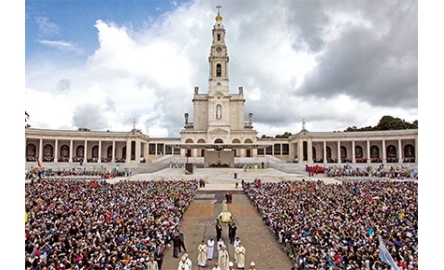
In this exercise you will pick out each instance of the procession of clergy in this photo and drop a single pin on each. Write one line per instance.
(206, 250)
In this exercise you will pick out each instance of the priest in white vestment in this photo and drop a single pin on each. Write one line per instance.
(210, 248)
(202, 254)
(240, 253)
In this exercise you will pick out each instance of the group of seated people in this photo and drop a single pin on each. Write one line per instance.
(84, 224)
(75, 172)
(337, 226)
(398, 172)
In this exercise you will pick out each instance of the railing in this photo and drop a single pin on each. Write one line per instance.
(48, 159)
(32, 158)
(63, 159)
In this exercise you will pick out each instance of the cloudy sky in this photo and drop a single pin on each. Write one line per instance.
(336, 64)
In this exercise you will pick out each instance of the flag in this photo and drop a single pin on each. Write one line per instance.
(385, 256)
(26, 216)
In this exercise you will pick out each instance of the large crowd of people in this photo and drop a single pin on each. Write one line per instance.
(84, 224)
(337, 226)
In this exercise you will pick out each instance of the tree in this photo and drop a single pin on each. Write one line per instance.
(387, 122)
(285, 135)
(84, 129)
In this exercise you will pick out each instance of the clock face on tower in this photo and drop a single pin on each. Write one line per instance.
(218, 49)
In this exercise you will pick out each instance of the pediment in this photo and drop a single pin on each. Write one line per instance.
(218, 131)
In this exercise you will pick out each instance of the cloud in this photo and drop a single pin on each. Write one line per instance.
(63, 85)
(335, 64)
(47, 28)
(59, 44)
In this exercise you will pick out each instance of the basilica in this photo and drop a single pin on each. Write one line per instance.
(219, 134)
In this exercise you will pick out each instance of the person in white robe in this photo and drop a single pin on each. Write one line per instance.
(236, 241)
(183, 264)
(224, 258)
(216, 266)
(202, 254)
(188, 261)
(220, 244)
(252, 266)
(240, 252)
(210, 248)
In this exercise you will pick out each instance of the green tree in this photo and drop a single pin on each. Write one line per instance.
(387, 122)
(84, 129)
(285, 135)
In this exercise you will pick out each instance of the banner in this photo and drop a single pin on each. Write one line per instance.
(385, 256)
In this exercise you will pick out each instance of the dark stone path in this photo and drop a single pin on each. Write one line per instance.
(199, 224)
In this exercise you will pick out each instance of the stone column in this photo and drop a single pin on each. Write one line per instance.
(113, 157)
(71, 150)
(399, 151)
(353, 152)
(41, 150)
(99, 156)
(324, 156)
(368, 152)
(339, 152)
(128, 151)
(145, 150)
(291, 151)
(384, 157)
(309, 151)
(85, 152)
(56, 150)
(300, 151)
(416, 150)
(137, 152)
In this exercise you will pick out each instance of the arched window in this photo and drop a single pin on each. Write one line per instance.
(47, 150)
(409, 151)
(64, 151)
(343, 152)
(109, 152)
(218, 111)
(358, 151)
(95, 151)
(80, 151)
(218, 70)
(31, 150)
(218, 37)
(374, 151)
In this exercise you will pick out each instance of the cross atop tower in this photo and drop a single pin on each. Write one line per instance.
(218, 8)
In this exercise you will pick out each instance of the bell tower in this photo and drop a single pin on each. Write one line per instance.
(218, 59)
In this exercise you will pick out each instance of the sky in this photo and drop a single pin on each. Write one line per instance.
(336, 64)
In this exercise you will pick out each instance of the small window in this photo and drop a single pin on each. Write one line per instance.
(218, 111)
(218, 37)
(218, 70)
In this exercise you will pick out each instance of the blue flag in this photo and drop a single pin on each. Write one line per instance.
(385, 256)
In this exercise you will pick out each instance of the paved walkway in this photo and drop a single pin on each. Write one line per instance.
(199, 220)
